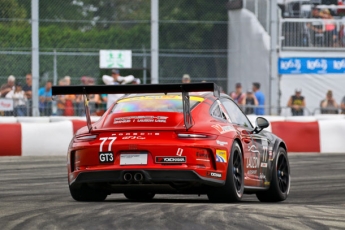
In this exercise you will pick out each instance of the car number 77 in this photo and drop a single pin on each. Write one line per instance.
(104, 139)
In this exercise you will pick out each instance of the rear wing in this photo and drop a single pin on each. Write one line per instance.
(131, 89)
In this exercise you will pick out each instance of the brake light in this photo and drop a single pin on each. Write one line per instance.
(86, 137)
(196, 136)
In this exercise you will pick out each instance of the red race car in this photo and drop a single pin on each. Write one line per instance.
(174, 139)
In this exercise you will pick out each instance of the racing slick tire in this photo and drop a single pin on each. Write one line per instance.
(139, 196)
(280, 183)
(233, 189)
(85, 193)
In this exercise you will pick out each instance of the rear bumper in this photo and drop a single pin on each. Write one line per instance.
(149, 177)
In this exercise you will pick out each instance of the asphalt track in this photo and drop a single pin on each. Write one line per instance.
(34, 195)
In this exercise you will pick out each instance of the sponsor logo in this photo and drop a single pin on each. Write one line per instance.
(262, 176)
(252, 172)
(133, 137)
(223, 129)
(291, 64)
(253, 162)
(221, 143)
(214, 174)
(221, 156)
(338, 65)
(171, 159)
(317, 64)
(179, 152)
(142, 119)
(106, 157)
(270, 153)
(253, 149)
(202, 155)
(267, 183)
(264, 165)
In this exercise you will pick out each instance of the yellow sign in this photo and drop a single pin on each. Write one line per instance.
(221, 156)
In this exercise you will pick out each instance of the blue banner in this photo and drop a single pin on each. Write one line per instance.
(311, 65)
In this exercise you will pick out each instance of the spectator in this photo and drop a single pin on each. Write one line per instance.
(61, 100)
(297, 103)
(238, 96)
(342, 105)
(45, 99)
(115, 79)
(67, 80)
(186, 78)
(250, 102)
(136, 81)
(19, 100)
(27, 88)
(260, 110)
(6, 88)
(330, 32)
(329, 105)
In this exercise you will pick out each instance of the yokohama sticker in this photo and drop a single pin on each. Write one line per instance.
(171, 160)
(214, 174)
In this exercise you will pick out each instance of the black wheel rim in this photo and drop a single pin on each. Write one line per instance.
(283, 173)
(237, 171)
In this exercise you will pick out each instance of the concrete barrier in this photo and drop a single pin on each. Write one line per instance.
(36, 136)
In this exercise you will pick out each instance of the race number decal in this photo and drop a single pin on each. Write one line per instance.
(104, 139)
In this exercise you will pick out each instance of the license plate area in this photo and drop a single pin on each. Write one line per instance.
(133, 158)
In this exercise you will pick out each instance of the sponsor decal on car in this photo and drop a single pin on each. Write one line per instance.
(267, 183)
(252, 172)
(270, 153)
(221, 143)
(179, 152)
(133, 137)
(262, 176)
(106, 157)
(214, 174)
(171, 160)
(253, 162)
(223, 129)
(264, 165)
(221, 155)
(149, 119)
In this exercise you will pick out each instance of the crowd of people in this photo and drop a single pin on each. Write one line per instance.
(66, 105)
(251, 102)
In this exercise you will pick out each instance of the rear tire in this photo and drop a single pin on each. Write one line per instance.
(85, 193)
(280, 183)
(139, 196)
(232, 191)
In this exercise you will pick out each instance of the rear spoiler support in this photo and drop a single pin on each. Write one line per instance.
(87, 110)
(128, 89)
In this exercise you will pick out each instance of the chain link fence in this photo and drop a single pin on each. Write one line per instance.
(71, 33)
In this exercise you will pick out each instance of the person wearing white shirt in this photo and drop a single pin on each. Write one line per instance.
(116, 79)
(19, 100)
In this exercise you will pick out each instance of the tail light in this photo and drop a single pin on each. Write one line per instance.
(194, 136)
(87, 137)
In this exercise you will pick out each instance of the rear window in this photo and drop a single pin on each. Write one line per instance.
(162, 103)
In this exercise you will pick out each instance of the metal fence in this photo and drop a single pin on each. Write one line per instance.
(312, 34)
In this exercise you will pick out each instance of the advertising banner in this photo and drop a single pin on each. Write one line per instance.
(6, 104)
(115, 59)
(306, 65)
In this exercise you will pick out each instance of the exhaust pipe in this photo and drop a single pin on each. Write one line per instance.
(138, 177)
(127, 177)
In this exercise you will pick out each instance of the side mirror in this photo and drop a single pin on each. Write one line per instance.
(261, 123)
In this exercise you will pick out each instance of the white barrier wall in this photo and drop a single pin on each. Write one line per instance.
(51, 136)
